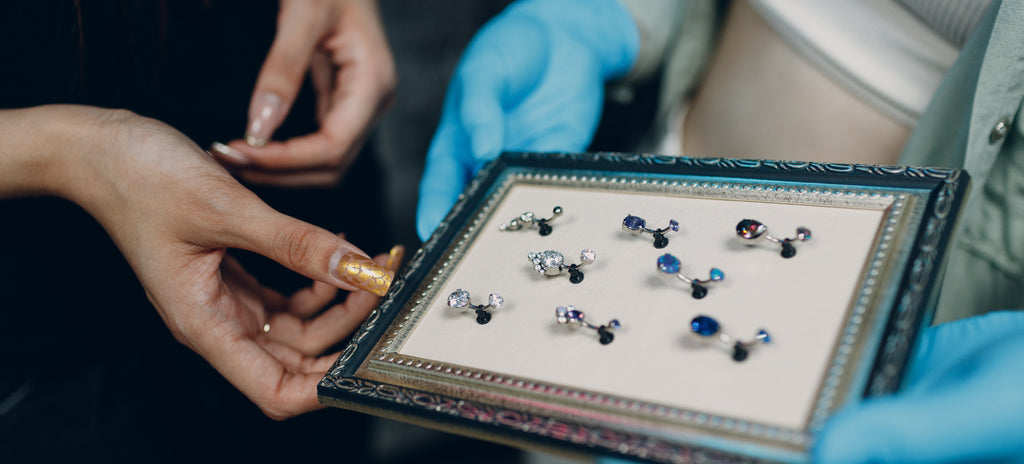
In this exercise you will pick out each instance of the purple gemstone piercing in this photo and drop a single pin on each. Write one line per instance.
(637, 225)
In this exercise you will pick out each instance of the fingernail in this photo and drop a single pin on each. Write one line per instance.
(229, 153)
(395, 257)
(361, 271)
(264, 110)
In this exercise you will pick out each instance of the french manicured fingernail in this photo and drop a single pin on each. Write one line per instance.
(230, 153)
(262, 114)
(395, 257)
(361, 271)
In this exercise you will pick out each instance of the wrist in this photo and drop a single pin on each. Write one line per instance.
(606, 27)
(53, 150)
(35, 151)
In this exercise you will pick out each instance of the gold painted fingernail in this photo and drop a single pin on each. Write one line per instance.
(363, 272)
(395, 257)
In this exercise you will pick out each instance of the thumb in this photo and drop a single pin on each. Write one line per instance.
(311, 251)
(283, 71)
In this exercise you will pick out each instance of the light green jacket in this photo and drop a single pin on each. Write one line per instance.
(975, 121)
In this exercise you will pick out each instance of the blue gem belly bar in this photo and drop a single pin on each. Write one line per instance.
(707, 327)
(669, 266)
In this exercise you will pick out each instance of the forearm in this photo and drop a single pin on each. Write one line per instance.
(42, 146)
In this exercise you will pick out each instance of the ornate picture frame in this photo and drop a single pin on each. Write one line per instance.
(841, 316)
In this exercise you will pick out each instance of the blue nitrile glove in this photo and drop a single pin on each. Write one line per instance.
(532, 79)
(963, 401)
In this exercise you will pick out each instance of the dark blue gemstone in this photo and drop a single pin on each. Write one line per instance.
(704, 326)
(615, 324)
(674, 225)
(668, 264)
(763, 335)
(634, 222)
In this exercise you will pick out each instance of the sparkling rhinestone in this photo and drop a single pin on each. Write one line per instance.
(588, 255)
(615, 324)
(704, 326)
(495, 301)
(551, 259)
(562, 313)
(763, 335)
(575, 314)
(458, 299)
(750, 229)
(717, 274)
(674, 225)
(527, 218)
(803, 233)
(634, 222)
(668, 264)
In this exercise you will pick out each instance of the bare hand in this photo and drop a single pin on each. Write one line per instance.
(174, 213)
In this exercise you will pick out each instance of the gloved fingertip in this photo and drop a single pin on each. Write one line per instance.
(427, 221)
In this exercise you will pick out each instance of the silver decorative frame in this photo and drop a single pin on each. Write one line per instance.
(897, 293)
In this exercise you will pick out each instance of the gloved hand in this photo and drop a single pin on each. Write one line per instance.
(963, 401)
(531, 79)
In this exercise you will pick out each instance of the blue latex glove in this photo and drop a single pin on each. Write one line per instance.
(532, 79)
(963, 401)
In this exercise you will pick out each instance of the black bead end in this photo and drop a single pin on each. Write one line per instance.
(482, 317)
(739, 352)
(788, 250)
(606, 336)
(575, 275)
(660, 240)
(699, 291)
(545, 229)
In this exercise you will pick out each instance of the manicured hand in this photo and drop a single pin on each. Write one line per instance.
(341, 44)
(532, 79)
(174, 213)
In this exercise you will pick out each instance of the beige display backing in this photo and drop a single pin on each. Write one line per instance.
(803, 301)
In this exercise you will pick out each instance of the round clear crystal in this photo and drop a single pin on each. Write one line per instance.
(495, 301)
(588, 255)
(552, 259)
(458, 299)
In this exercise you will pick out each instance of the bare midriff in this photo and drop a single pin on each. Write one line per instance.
(760, 99)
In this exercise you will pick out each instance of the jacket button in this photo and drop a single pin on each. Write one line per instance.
(999, 131)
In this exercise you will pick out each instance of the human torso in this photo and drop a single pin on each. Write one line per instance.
(764, 97)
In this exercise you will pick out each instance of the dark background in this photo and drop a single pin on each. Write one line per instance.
(88, 371)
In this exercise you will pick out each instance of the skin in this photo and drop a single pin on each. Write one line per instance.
(341, 45)
(174, 212)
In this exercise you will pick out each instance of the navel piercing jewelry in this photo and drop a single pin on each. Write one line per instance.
(637, 225)
(552, 263)
(573, 317)
(669, 266)
(705, 326)
(528, 219)
(750, 232)
(459, 299)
